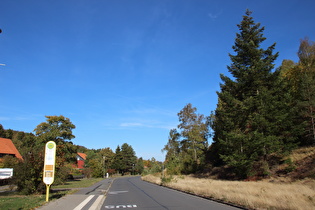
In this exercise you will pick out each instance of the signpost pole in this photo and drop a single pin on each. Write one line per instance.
(47, 192)
(49, 166)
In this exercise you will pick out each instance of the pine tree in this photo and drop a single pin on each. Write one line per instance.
(129, 158)
(117, 163)
(252, 117)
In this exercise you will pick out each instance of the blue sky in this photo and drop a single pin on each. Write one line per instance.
(121, 70)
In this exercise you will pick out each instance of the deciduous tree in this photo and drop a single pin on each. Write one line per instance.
(172, 149)
(58, 129)
(301, 77)
(194, 143)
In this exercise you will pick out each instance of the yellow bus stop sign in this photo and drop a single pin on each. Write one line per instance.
(49, 165)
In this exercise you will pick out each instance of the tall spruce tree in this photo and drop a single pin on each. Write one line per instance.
(252, 116)
(129, 158)
(117, 163)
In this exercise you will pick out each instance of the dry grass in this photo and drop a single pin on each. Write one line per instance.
(254, 195)
(156, 179)
(300, 154)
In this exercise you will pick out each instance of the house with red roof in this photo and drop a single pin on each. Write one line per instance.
(7, 148)
(81, 157)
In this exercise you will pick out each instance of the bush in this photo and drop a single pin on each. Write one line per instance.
(28, 174)
(166, 179)
(290, 165)
(62, 174)
(9, 162)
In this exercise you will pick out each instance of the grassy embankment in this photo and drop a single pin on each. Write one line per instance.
(276, 192)
(13, 200)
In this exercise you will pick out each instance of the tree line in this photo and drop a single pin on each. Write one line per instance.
(262, 113)
(28, 172)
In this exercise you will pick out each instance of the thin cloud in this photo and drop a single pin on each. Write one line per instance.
(147, 124)
(144, 111)
(4, 118)
(214, 16)
(132, 125)
(14, 118)
(152, 111)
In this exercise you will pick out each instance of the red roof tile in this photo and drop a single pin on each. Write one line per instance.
(7, 147)
(82, 155)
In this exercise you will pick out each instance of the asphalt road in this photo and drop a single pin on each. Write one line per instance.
(88, 198)
(133, 193)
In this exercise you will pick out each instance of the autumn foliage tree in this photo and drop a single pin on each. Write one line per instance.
(187, 146)
(58, 129)
(28, 173)
(172, 149)
(301, 78)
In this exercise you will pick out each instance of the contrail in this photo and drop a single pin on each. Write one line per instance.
(1, 64)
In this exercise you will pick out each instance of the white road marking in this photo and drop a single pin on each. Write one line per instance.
(120, 206)
(83, 203)
(96, 203)
(116, 192)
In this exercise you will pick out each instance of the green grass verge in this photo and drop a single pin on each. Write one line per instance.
(13, 200)
(21, 202)
(77, 183)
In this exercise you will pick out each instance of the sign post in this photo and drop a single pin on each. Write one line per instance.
(49, 165)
